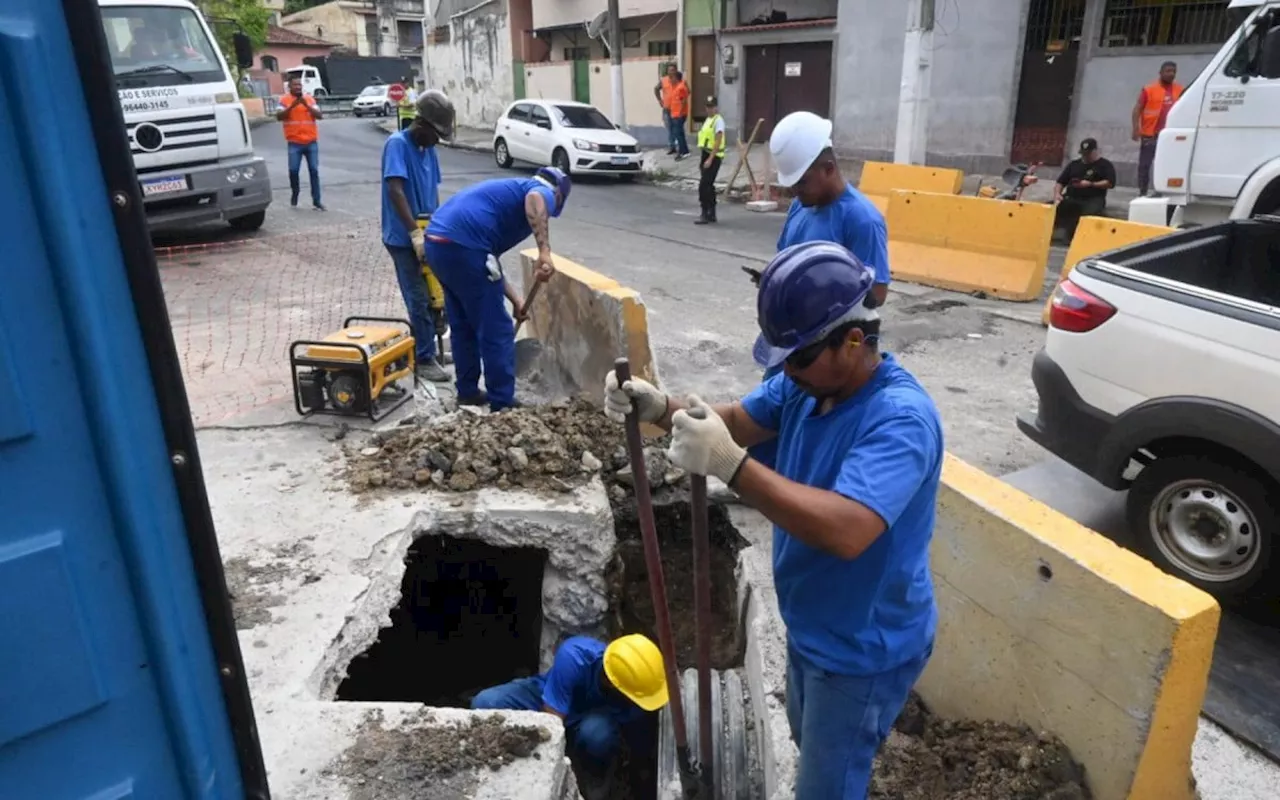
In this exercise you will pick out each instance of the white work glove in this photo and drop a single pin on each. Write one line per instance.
(701, 443)
(650, 403)
(418, 237)
(495, 269)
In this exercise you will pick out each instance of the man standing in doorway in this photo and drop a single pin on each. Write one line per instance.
(1149, 116)
(710, 155)
(662, 92)
(1082, 187)
(299, 113)
(411, 186)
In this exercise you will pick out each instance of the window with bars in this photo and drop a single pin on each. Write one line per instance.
(1054, 25)
(657, 49)
(1161, 23)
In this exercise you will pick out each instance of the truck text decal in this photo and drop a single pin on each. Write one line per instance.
(1222, 101)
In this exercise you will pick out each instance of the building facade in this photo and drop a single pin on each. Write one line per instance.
(284, 49)
(365, 27)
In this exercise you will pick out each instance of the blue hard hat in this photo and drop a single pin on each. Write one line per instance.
(556, 179)
(806, 292)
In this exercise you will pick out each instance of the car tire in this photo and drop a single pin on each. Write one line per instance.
(249, 222)
(321, 94)
(386, 110)
(355, 113)
(1229, 555)
(560, 160)
(502, 154)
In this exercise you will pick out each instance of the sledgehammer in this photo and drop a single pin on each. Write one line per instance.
(689, 782)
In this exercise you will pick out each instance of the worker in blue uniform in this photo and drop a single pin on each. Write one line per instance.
(601, 692)
(851, 496)
(826, 208)
(411, 186)
(463, 242)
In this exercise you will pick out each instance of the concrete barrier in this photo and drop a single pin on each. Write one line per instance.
(1096, 235)
(970, 244)
(1046, 623)
(879, 180)
(585, 321)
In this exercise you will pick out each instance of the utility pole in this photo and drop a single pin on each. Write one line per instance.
(615, 65)
(913, 94)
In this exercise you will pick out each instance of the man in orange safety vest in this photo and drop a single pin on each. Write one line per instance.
(1149, 116)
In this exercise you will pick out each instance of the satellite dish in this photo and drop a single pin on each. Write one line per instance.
(596, 27)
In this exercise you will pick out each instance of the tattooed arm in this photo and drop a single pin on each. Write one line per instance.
(535, 210)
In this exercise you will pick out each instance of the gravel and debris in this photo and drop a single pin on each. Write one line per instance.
(425, 760)
(929, 758)
(555, 447)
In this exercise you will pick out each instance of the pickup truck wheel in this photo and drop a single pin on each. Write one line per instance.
(249, 222)
(1205, 521)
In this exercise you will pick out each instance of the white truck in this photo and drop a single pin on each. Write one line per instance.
(188, 130)
(1218, 157)
(1160, 374)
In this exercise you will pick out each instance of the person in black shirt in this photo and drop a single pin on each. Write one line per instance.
(1082, 187)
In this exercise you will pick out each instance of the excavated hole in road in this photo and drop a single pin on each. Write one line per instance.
(469, 617)
(632, 612)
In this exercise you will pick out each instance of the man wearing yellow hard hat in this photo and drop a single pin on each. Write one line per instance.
(599, 690)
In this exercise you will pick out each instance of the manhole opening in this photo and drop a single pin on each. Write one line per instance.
(636, 774)
(469, 617)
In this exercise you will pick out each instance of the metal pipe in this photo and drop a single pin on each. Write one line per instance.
(702, 622)
(657, 584)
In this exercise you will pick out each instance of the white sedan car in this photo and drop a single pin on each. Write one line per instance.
(373, 100)
(575, 137)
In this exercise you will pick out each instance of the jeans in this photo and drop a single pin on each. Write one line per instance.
(671, 134)
(675, 130)
(1146, 157)
(311, 152)
(1071, 209)
(413, 288)
(480, 328)
(840, 721)
(595, 735)
(707, 183)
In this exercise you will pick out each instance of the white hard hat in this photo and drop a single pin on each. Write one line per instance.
(796, 142)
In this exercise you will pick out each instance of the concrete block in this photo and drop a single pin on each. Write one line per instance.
(586, 321)
(1046, 623)
(762, 205)
(880, 178)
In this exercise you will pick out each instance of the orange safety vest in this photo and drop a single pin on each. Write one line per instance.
(1156, 100)
(299, 126)
(678, 100)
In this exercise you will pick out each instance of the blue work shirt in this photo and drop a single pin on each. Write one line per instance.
(574, 684)
(852, 221)
(882, 448)
(420, 169)
(489, 216)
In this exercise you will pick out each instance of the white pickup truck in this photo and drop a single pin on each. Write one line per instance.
(1161, 374)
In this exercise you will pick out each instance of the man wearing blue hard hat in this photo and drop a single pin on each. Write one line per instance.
(463, 242)
(851, 496)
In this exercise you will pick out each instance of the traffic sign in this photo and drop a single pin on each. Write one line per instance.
(395, 93)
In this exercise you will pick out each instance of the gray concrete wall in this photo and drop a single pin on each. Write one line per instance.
(794, 9)
(974, 81)
(1105, 94)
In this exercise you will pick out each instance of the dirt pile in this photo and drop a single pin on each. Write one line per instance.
(554, 447)
(422, 761)
(927, 758)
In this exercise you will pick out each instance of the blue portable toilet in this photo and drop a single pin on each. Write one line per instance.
(120, 671)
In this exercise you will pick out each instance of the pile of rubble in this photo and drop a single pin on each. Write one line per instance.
(555, 447)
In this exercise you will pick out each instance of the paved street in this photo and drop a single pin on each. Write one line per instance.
(305, 270)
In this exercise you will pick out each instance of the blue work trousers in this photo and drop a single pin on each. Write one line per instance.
(595, 735)
(480, 329)
(677, 134)
(840, 721)
(311, 152)
(413, 288)
(666, 123)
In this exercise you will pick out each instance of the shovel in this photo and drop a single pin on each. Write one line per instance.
(527, 350)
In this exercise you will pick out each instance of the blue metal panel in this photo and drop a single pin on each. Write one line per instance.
(108, 681)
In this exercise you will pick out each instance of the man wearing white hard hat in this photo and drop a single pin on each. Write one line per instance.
(826, 207)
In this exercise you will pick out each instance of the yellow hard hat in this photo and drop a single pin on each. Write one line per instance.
(633, 664)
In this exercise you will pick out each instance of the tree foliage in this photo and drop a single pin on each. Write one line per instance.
(228, 17)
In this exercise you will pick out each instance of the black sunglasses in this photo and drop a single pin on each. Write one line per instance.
(805, 356)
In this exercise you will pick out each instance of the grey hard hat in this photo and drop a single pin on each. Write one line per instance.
(436, 109)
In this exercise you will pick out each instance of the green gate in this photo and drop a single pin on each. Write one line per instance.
(582, 81)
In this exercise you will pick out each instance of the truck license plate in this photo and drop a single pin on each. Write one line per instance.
(620, 159)
(172, 183)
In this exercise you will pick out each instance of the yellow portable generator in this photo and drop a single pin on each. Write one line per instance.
(435, 294)
(355, 371)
